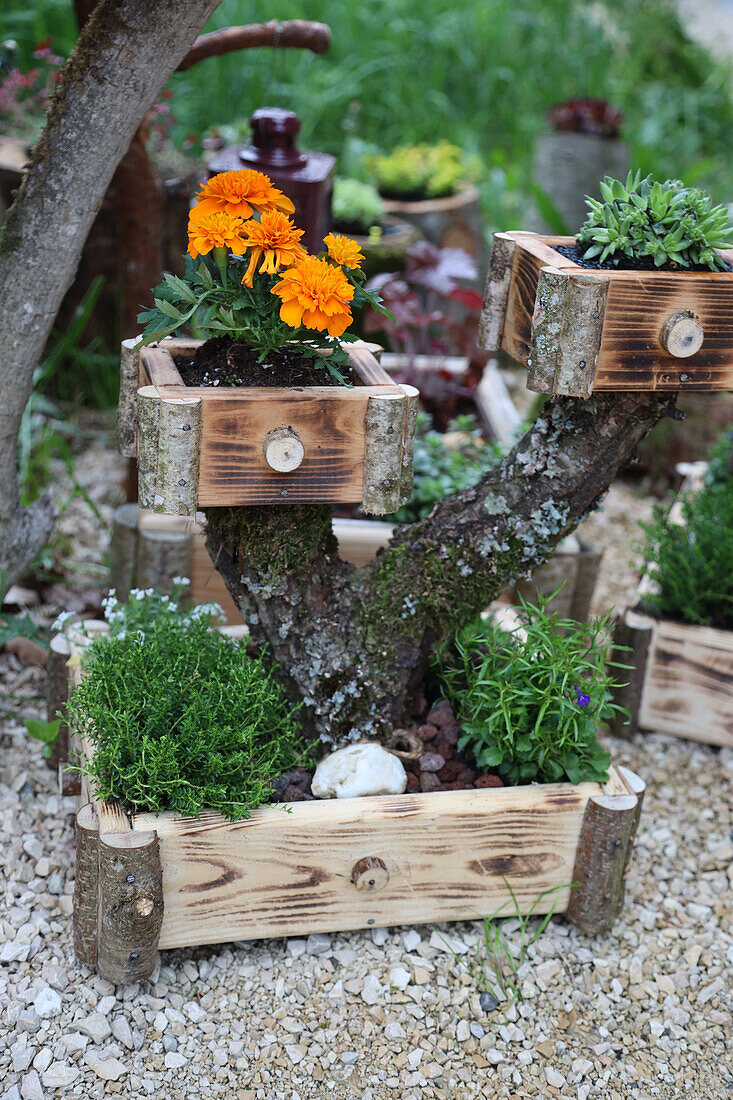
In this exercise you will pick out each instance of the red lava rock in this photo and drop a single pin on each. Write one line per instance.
(430, 782)
(293, 794)
(489, 781)
(441, 714)
(445, 750)
(456, 785)
(426, 732)
(431, 762)
(413, 783)
(450, 734)
(450, 771)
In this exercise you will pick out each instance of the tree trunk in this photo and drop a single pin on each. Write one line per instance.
(353, 644)
(126, 51)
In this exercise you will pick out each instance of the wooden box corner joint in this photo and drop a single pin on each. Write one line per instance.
(201, 447)
(579, 330)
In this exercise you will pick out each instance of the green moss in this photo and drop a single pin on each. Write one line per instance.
(278, 541)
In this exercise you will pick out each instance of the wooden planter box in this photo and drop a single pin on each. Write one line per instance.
(200, 447)
(682, 676)
(581, 329)
(145, 882)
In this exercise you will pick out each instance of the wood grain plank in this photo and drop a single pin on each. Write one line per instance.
(638, 304)
(446, 854)
(688, 685)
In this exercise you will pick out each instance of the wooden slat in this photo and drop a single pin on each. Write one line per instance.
(446, 854)
(159, 368)
(688, 685)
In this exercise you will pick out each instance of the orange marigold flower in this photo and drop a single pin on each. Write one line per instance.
(215, 230)
(274, 239)
(240, 193)
(342, 250)
(316, 294)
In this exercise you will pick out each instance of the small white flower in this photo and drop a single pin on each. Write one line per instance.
(61, 619)
(181, 581)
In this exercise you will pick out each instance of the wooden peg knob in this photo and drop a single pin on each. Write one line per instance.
(370, 873)
(144, 907)
(682, 334)
(283, 450)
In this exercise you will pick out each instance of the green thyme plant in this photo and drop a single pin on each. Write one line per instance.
(357, 206)
(691, 563)
(667, 223)
(426, 171)
(179, 716)
(446, 464)
(530, 704)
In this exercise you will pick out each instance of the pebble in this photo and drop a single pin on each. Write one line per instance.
(174, 1061)
(399, 977)
(371, 990)
(59, 1075)
(47, 1002)
(122, 1032)
(318, 944)
(30, 1087)
(96, 1026)
(554, 1078)
(109, 1069)
(431, 762)
(488, 1002)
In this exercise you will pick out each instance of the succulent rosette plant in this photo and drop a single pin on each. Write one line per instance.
(248, 277)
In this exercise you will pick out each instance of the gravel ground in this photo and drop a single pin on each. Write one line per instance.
(640, 1013)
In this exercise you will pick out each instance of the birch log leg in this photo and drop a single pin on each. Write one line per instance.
(589, 563)
(86, 886)
(127, 405)
(57, 692)
(123, 550)
(383, 438)
(169, 442)
(130, 906)
(609, 825)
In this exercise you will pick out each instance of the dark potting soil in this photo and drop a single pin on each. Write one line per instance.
(645, 263)
(440, 767)
(414, 196)
(224, 362)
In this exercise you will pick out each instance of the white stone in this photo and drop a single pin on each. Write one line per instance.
(47, 1002)
(394, 1031)
(60, 1075)
(414, 1058)
(22, 1055)
(30, 1086)
(195, 1012)
(581, 1066)
(122, 1032)
(463, 1032)
(554, 1078)
(371, 990)
(106, 1005)
(410, 940)
(43, 1060)
(173, 1060)
(358, 771)
(399, 977)
(109, 1069)
(318, 944)
(95, 1026)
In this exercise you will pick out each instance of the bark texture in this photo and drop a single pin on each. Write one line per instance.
(353, 644)
(126, 51)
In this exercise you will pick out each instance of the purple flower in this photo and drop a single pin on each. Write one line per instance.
(583, 700)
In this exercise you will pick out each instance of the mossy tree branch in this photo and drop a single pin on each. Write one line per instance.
(353, 643)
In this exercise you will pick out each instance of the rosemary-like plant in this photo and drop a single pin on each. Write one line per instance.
(179, 716)
(668, 223)
(691, 562)
(530, 703)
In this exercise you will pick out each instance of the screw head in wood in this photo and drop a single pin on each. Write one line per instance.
(369, 874)
(682, 334)
(283, 450)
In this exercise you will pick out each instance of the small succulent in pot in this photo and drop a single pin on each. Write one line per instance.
(643, 222)
(357, 207)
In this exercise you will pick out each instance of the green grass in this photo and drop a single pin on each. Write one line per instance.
(481, 74)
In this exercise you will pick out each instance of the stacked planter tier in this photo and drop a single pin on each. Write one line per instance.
(579, 329)
(204, 446)
(682, 677)
(145, 882)
(453, 221)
